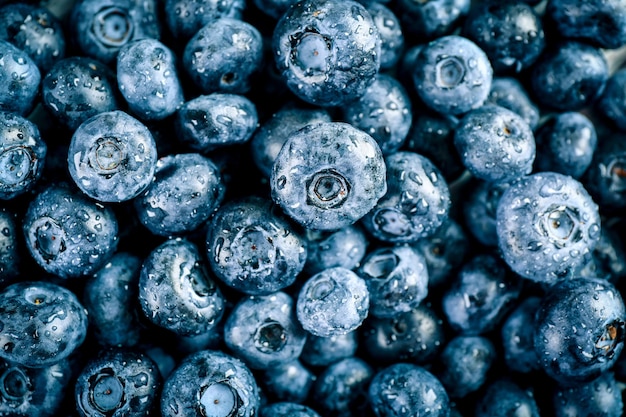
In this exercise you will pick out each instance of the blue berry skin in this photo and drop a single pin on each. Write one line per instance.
(384, 112)
(323, 351)
(517, 334)
(495, 144)
(185, 191)
(480, 297)
(273, 8)
(328, 175)
(289, 381)
(416, 336)
(480, 210)
(565, 144)
(408, 389)
(605, 179)
(186, 17)
(332, 302)
(254, 249)
(264, 332)
(36, 31)
(465, 362)
(341, 387)
(431, 19)
(100, 28)
(608, 258)
(504, 398)
(612, 103)
(390, 31)
(509, 93)
(396, 278)
(112, 157)
(42, 323)
(417, 201)
(599, 22)
(328, 51)
(452, 75)
(117, 382)
(10, 247)
(33, 391)
(148, 79)
(109, 297)
(223, 55)
(211, 121)
(68, 234)
(569, 76)
(510, 33)
(176, 291)
(600, 397)
(77, 88)
(210, 383)
(19, 80)
(579, 329)
(270, 137)
(287, 409)
(22, 155)
(345, 247)
(547, 225)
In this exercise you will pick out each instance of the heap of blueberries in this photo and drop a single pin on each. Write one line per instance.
(231, 208)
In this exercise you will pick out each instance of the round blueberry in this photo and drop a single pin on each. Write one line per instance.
(341, 388)
(345, 247)
(605, 179)
(517, 334)
(426, 20)
(480, 210)
(503, 398)
(612, 102)
(600, 397)
(390, 31)
(287, 409)
(289, 381)
(324, 351)
(185, 17)
(509, 93)
(10, 249)
(19, 80)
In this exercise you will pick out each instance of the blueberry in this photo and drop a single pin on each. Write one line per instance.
(579, 329)
(19, 80)
(517, 334)
(273, 8)
(186, 17)
(289, 381)
(342, 387)
(67, 234)
(112, 157)
(10, 250)
(481, 295)
(148, 79)
(408, 389)
(254, 249)
(509, 93)
(608, 258)
(210, 383)
(176, 291)
(480, 210)
(77, 88)
(326, 350)
(503, 398)
(600, 397)
(605, 179)
(565, 144)
(612, 103)
(215, 120)
(328, 51)
(431, 19)
(287, 409)
(345, 247)
(547, 224)
(332, 302)
(223, 55)
(390, 31)
(22, 155)
(328, 175)
(417, 201)
(117, 382)
(396, 278)
(452, 75)
(185, 191)
(495, 144)
(383, 111)
(36, 31)
(42, 323)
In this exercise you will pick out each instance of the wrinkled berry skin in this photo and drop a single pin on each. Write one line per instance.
(148, 79)
(417, 201)
(579, 329)
(42, 323)
(341, 386)
(509, 93)
(68, 234)
(210, 383)
(600, 397)
(223, 55)
(215, 120)
(112, 157)
(19, 80)
(117, 382)
(504, 398)
(547, 224)
(328, 175)
(22, 155)
(185, 191)
(77, 88)
(408, 389)
(176, 291)
(252, 248)
(185, 17)
(452, 75)
(36, 31)
(328, 51)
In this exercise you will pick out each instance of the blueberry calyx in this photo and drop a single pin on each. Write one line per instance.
(14, 384)
(616, 171)
(113, 26)
(327, 189)
(106, 392)
(18, 163)
(612, 336)
(311, 52)
(450, 71)
(49, 238)
(219, 400)
(561, 225)
(270, 337)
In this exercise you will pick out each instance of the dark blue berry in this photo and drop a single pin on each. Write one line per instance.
(324, 351)
(10, 251)
(431, 19)
(19, 80)
(287, 409)
(517, 334)
(605, 179)
(342, 387)
(390, 31)
(289, 381)
(504, 398)
(480, 210)
(186, 17)
(345, 247)
(509, 93)
(612, 102)
(600, 397)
